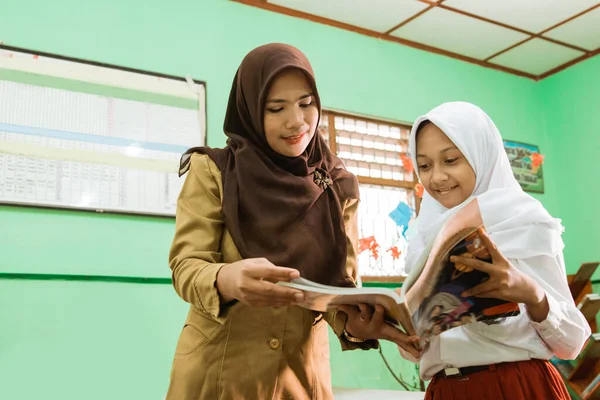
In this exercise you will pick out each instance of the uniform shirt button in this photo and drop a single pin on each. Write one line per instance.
(274, 344)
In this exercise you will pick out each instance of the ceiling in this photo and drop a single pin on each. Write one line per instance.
(530, 38)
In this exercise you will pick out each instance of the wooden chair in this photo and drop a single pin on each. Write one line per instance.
(582, 375)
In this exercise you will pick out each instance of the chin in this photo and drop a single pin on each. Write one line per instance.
(293, 151)
(290, 152)
(451, 203)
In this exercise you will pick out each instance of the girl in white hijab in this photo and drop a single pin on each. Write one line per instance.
(459, 154)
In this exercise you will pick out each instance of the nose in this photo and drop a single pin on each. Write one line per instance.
(295, 120)
(438, 176)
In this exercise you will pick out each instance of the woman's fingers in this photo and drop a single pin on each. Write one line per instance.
(377, 316)
(409, 344)
(351, 311)
(365, 312)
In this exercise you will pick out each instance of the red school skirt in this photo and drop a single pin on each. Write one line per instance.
(522, 380)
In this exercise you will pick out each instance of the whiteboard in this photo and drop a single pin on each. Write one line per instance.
(77, 135)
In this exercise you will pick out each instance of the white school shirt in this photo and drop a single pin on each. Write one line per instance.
(562, 334)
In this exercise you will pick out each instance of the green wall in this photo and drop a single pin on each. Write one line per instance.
(93, 340)
(208, 39)
(571, 110)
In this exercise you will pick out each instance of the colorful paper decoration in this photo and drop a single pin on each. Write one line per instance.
(407, 163)
(419, 190)
(402, 215)
(369, 243)
(365, 243)
(375, 252)
(395, 252)
(537, 159)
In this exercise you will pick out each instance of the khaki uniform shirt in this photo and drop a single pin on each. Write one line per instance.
(236, 351)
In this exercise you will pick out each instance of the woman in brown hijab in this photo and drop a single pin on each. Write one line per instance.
(273, 205)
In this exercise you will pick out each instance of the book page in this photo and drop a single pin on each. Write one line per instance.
(325, 298)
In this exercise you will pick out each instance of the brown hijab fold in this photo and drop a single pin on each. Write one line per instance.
(285, 209)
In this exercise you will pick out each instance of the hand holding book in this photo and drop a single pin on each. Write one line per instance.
(505, 281)
(364, 323)
(254, 281)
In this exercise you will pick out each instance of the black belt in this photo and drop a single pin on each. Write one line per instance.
(454, 372)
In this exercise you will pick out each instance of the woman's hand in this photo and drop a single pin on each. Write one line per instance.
(365, 324)
(254, 281)
(506, 282)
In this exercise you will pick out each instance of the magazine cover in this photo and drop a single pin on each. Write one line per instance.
(434, 301)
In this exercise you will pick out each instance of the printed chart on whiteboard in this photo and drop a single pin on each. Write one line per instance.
(80, 136)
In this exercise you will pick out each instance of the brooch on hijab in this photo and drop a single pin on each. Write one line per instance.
(322, 179)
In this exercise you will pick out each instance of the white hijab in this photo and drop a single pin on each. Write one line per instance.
(518, 224)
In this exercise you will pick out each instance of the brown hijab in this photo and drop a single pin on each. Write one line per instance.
(285, 209)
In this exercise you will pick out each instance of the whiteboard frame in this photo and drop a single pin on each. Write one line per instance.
(118, 68)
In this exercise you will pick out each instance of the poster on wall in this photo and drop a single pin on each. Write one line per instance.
(525, 161)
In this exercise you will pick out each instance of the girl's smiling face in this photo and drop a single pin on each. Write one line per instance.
(444, 171)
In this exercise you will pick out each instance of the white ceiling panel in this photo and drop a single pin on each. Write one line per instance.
(376, 15)
(536, 56)
(583, 31)
(446, 27)
(458, 33)
(531, 15)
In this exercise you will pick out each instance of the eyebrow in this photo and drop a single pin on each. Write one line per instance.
(443, 151)
(285, 101)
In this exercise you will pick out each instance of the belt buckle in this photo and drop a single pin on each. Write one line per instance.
(451, 372)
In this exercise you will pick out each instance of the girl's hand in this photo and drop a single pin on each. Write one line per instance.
(506, 282)
(365, 324)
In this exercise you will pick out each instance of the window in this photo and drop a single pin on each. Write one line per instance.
(374, 151)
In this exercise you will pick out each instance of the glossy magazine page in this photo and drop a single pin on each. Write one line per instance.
(434, 300)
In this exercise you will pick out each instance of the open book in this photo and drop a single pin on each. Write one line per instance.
(432, 302)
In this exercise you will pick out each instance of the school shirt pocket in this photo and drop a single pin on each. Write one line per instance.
(199, 329)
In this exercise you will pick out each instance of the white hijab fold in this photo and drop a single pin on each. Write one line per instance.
(518, 224)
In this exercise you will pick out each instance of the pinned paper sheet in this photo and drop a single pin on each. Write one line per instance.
(402, 215)
(200, 93)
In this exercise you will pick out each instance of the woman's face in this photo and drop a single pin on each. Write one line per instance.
(291, 114)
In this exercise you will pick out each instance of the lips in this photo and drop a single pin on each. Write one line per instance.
(446, 190)
(294, 138)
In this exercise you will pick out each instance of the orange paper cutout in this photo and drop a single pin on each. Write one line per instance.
(419, 189)
(407, 163)
(365, 243)
(395, 252)
(537, 159)
(369, 243)
(375, 252)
